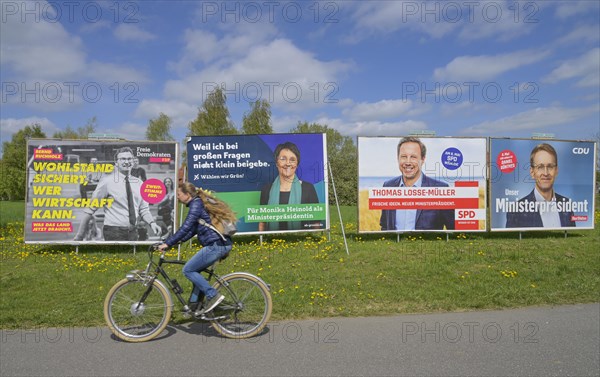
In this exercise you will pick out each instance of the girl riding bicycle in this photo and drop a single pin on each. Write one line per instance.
(202, 206)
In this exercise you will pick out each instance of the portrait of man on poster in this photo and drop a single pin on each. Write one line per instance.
(543, 169)
(411, 153)
(120, 218)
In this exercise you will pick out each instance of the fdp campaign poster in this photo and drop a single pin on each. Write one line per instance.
(275, 183)
(542, 184)
(409, 184)
(108, 192)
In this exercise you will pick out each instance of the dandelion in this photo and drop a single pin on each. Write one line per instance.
(509, 274)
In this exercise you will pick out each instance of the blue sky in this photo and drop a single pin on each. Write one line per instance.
(389, 68)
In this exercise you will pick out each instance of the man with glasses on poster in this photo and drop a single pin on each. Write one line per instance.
(543, 207)
(121, 215)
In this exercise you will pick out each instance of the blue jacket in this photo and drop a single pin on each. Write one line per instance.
(534, 219)
(191, 227)
(428, 219)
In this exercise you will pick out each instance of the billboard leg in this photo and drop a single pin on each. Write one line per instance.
(338, 208)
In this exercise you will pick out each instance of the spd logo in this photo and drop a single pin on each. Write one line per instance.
(467, 214)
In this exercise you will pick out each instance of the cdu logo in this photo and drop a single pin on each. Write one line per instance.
(579, 150)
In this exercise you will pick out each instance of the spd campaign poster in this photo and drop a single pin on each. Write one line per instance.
(421, 184)
(100, 192)
(275, 183)
(542, 184)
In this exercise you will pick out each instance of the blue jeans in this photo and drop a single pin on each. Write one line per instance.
(204, 258)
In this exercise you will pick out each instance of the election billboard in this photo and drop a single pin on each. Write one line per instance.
(105, 192)
(275, 183)
(541, 184)
(412, 184)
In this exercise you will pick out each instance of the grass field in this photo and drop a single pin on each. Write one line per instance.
(311, 276)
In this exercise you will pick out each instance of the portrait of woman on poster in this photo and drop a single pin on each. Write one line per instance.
(287, 188)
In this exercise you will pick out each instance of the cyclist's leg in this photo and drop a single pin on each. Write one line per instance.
(204, 258)
(195, 296)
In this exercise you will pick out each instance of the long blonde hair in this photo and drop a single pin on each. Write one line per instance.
(218, 210)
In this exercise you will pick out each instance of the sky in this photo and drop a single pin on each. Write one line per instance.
(365, 68)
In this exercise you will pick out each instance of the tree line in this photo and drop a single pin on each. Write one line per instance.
(213, 119)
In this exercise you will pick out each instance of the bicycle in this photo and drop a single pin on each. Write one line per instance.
(139, 307)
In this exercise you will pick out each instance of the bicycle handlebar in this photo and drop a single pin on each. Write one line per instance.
(154, 247)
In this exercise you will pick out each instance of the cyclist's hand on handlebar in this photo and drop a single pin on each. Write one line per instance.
(162, 247)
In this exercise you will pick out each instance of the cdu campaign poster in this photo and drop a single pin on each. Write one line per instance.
(99, 192)
(275, 183)
(542, 184)
(421, 184)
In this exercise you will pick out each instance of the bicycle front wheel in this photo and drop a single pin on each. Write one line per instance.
(133, 318)
(246, 308)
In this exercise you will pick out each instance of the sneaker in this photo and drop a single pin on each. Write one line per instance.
(213, 302)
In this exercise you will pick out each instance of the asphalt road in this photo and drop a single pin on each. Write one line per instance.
(539, 341)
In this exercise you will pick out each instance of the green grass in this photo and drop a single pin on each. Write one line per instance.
(11, 212)
(313, 277)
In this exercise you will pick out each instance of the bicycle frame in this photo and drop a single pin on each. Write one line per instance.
(172, 284)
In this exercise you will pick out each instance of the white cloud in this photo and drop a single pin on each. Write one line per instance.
(39, 50)
(470, 20)
(206, 47)
(573, 8)
(384, 109)
(272, 70)
(501, 20)
(284, 123)
(486, 67)
(42, 56)
(110, 73)
(181, 113)
(10, 126)
(539, 119)
(586, 68)
(376, 128)
(384, 17)
(131, 32)
(581, 34)
(372, 128)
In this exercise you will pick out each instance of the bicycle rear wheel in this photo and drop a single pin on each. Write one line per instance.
(246, 308)
(135, 321)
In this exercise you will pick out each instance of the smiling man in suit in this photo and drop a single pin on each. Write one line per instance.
(543, 168)
(411, 153)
